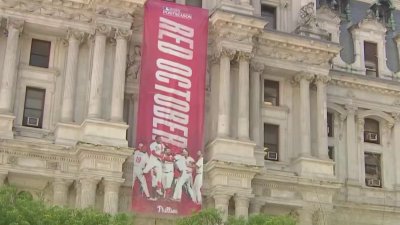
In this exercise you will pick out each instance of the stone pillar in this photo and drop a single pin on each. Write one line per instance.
(111, 191)
(226, 55)
(255, 207)
(255, 101)
(244, 98)
(322, 133)
(304, 112)
(87, 195)
(241, 206)
(60, 192)
(352, 151)
(305, 216)
(2, 178)
(9, 78)
(67, 110)
(222, 204)
(96, 81)
(117, 101)
(396, 147)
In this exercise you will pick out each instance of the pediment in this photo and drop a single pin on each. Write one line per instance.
(369, 24)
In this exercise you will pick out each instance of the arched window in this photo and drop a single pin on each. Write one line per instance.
(371, 131)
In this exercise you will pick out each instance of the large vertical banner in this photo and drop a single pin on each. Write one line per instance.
(168, 162)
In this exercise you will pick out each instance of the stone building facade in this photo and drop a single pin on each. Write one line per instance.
(302, 105)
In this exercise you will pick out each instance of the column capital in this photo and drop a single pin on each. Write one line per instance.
(62, 181)
(396, 117)
(244, 56)
(122, 33)
(302, 76)
(113, 185)
(324, 79)
(351, 109)
(230, 53)
(75, 34)
(14, 23)
(242, 199)
(257, 66)
(102, 29)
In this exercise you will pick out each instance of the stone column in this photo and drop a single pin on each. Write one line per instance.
(88, 189)
(255, 102)
(2, 178)
(352, 151)
(244, 98)
(255, 207)
(96, 81)
(67, 110)
(304, 112)
(396, 147)
(322, 133)
(305, 216)
(226, 55)
(9, 78)
(241, 206)
(111, 191)
(121, 50)
(60, 192)
(222, 204)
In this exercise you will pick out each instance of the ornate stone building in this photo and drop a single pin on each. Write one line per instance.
(302, 113)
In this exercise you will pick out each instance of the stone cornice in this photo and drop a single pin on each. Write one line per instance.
(231, 169)
(377, 86)
(297, 49)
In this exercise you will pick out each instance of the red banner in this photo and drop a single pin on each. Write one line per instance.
(168, 162)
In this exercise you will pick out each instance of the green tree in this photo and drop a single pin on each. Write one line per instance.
(21, 209)
(213, 217)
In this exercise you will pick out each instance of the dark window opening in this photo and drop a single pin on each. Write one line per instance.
(33, 108)
(271, 142)
(269, 13)
(371, 131)
(40, 53)
(197, 3)
(372, 169)
(271, 92)
(371, 59)
(330, 124)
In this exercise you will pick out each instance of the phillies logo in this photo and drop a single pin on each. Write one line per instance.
(176, 13)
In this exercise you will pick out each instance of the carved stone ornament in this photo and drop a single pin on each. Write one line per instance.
(103, 29)
(307, 14)
(122, 33)
(230, 53)
(133, 63)
(244, 56)
(14, 24)
(303, 75)
(257, 67)
(322, 78)
(76, 34)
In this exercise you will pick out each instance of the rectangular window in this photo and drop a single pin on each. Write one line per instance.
(269, 13)
(40, 53)
(271, 92)
(371, 59)
(196, 3)
(271, 142)
(33, 108)
(371, 131)
(330, 124)
(372, 169)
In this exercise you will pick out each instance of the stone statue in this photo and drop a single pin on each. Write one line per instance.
(133, 64)
(307, 14)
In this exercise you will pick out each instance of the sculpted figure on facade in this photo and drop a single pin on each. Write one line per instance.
(133, 63)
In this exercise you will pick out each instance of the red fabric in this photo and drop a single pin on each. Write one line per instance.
(172, 90)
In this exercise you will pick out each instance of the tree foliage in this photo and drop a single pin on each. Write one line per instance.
(213, 217)
(21, 209)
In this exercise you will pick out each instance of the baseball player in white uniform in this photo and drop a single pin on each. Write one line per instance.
(168, 172)
(140, 159)
(157, 149)
(183, 163)
(198, 180)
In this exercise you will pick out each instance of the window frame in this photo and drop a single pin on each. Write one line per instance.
(366, 132)
(375, 58)
(277, 97)
(276, 145)
(48, 56)
(274, 15)
(379, 169)
(24, 121)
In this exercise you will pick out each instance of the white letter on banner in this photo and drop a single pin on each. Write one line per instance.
(170, 25)
(171, 102)
(174, 67)
(173, 127)
(182, 94)
(171, 138)
(178, 38)
(170, 114)
(183, 82)
(175, 50)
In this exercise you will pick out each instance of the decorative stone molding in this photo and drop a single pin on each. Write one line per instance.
(15, 24)
(360, 85)
(300, 76)
(257, 67)
(103, 29)
(244, 56)
(122, 33)
(322, 78)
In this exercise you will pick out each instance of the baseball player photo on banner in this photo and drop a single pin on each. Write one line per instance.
(168, 158)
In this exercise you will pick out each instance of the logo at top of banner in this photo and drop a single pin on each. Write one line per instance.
(175, 12)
